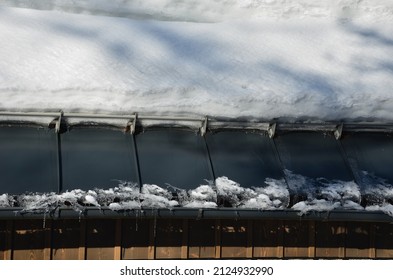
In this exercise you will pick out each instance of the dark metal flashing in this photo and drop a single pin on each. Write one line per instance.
(249, 158)
(173, 157)
(96, 157)
(28, 160)
(335, 133)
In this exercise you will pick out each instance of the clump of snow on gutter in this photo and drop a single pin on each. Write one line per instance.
(154, 196)
(327, 195)
(202, 197)
(340, 191)
(32, 202)
(231, 191)
(323, 194)
(124, 197)
(376, 189)
(4, 202)
(274, 195)
(299, 184)
(386, 208)
(315, 205)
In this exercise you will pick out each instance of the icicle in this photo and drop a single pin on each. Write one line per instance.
(44, 221)
(136, 220)
(200, 214)
(155, 224)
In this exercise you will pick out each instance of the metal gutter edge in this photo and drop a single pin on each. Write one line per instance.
(210, 123)
(197, 214)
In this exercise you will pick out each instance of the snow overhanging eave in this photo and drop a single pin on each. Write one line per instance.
(12, 213)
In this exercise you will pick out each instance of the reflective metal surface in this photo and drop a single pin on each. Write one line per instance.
(175, 157)
(28, 160)
(97, 158)
(370, 155)
(313, 154)
(247, 158)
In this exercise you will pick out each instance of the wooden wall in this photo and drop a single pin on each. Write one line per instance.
(192, 239)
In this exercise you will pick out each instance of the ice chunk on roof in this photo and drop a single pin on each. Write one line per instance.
(154, 196)
(4, 202)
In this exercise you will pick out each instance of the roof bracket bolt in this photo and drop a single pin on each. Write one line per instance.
(58, 122)
(131, 125)
(272, 130)
(203, 128)
(338, 131)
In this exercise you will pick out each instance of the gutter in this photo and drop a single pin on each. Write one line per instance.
(14, 213)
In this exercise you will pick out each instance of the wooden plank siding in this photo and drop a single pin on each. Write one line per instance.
(330, 240)
(201, 239)
(234, 239)
(133, 238)
(66, 239)
(384, 241)
(169, 239)
(135, 243)
(3, 238)
(268, 239)
(29, 240)
(100, 239)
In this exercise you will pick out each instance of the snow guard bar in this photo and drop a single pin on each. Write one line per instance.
(131, 121)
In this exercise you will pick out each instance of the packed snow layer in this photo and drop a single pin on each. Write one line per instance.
(325, 68)
(214, 11)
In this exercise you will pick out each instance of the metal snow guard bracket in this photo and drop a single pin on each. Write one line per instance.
(194, 123)
(368, 127)
(131, 121)
(322, 127)
(236, 125)
(337, 128)
(202, 124)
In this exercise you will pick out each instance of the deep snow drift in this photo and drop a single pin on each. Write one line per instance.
(257, 60)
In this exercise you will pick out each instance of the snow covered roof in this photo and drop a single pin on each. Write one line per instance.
(293, 71)
(255, 59)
